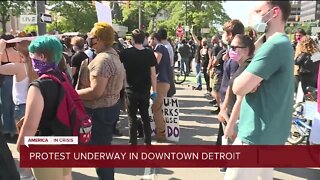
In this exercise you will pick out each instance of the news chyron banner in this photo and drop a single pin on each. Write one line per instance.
(127, 156)
(170, 111)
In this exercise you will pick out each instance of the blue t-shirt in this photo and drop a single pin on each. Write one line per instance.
(163, 69)
(229, 68)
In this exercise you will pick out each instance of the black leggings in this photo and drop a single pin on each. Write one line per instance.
(206, 77)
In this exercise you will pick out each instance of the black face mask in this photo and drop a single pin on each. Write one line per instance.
(90, 43)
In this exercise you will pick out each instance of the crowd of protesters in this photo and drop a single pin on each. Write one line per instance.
(252, 77)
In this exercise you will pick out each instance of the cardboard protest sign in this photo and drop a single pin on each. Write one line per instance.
(171, 116)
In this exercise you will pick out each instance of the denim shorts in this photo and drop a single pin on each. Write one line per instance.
(19, 111)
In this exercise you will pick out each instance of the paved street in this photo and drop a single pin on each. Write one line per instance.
(197, 126)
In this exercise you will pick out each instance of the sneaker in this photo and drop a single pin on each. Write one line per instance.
(161, 139)
(223, 170)
(140, 136)
(215, 111)
(197, 88)
(216, 105)
(213, 102)
(23, 177)
(26, 174)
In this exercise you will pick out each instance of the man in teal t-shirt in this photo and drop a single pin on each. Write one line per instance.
(267, 86)
(265, 116)
(267, 83)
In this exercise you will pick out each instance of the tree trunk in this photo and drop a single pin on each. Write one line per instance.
(4, 28)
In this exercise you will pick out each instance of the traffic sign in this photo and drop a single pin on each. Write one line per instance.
(28, 19)
(45, 18)
(187, 28)
(205, 30)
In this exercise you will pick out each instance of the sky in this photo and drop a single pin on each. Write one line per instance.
(239, 10)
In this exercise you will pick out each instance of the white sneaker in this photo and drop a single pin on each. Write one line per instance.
(26, 174)
(23, 177)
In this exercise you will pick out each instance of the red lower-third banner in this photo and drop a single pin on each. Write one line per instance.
(169, 156)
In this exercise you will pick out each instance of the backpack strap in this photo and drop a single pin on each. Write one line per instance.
(54, 78)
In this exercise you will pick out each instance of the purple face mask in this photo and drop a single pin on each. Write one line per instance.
(41, 67)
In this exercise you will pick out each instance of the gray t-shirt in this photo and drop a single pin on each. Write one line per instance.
(170, 51)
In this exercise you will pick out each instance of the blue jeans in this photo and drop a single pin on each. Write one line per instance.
(7, 108)
(102, 130)
(198, 73)
(185, 62)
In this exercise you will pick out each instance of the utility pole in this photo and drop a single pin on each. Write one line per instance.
(139, 14)
(186, 19)
(42, 29)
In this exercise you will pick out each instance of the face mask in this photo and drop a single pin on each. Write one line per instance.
(90, 43)
(258, 23)
(41, 67)
(234, 55)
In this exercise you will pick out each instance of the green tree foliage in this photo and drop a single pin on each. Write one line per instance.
(149, 11)
(306, 26)
(204, 14)
(131, 15)
(30, 28)
(10, 8)
(74, 16)
(171, 13)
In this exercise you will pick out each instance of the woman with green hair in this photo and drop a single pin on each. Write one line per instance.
(42, 99)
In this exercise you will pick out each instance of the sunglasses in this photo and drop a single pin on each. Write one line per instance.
(235, 47)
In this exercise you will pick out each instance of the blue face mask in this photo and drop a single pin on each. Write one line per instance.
(41, 67)
(258, 24)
